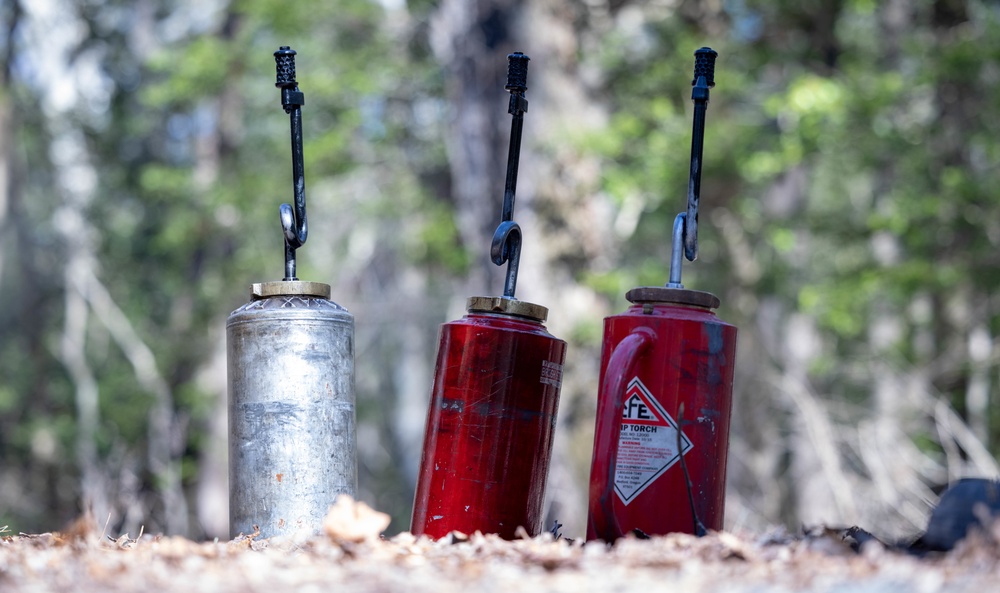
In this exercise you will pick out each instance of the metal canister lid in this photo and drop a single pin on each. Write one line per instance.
(264, 290)
(507, 306)
(677, 296)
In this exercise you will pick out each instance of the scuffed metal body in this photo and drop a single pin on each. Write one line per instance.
(685, 357)
(292, 442)
(490, 426)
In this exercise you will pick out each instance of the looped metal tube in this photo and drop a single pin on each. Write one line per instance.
(293, 220)
(506, 248)
(677, 251)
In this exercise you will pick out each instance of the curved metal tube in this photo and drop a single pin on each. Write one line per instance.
(506, 248)
(677, 251)
(293, 220)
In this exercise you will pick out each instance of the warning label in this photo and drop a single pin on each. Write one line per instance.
(647, 444)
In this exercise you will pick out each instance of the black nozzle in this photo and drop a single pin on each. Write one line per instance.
(517, 82)
(704, 65)
(284, 60)
(517, 72)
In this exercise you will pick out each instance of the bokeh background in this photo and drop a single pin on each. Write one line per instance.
(850, 223)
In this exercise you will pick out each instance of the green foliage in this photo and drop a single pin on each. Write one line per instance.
(186, 77)
(436, 241)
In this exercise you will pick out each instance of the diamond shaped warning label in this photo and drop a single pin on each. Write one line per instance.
(647, 444)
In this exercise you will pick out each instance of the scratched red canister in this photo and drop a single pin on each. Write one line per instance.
(491, 421)
(663, 411)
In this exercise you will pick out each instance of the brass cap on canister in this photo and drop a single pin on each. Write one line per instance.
(507, 306)
(264, 290)
(677, 296)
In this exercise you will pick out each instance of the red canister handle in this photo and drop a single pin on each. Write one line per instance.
(621, 368)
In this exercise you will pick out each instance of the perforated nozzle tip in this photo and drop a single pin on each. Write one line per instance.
(284, 61)
(704, 65)
(517, 72)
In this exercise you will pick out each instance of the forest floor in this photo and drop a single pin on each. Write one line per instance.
(350, 555)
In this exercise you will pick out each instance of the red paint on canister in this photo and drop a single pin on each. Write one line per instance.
(667, 361)
(491, 422)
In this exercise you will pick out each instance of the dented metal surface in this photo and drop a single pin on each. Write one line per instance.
(292, 446)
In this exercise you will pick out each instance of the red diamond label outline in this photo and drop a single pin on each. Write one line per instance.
(644, 465)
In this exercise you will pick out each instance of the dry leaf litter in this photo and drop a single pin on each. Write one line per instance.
(351, 555)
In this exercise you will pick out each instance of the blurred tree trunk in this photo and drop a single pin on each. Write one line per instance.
(471, 40)
(213, 146)
(6, 131)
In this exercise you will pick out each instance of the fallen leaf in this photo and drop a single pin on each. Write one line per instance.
(353, 521)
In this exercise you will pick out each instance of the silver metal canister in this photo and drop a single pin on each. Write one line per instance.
(292, 442)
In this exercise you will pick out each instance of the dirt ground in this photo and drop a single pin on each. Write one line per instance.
(350, 555)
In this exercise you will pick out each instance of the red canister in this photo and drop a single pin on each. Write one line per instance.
(491, 422)
(662, 433)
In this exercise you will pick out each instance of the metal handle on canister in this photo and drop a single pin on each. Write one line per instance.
(621, 367)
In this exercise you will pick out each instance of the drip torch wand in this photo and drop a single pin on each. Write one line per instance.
(506, 247)
(685, 231)
(293, 221)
